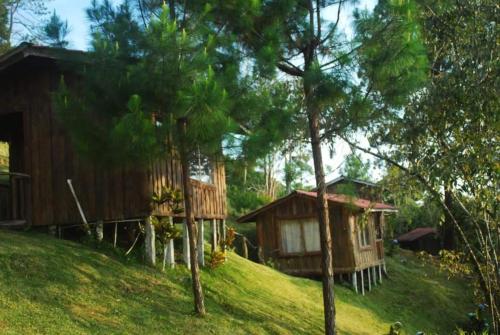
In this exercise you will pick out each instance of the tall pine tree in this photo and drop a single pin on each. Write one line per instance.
(296, 38)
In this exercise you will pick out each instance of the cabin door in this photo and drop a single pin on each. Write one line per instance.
(14, 182)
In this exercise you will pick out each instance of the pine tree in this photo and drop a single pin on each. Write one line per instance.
(175, 70)
(55, 31)
(294, 38)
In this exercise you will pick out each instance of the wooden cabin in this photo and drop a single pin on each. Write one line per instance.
(421, 239)
(42, 158)
(288, 235)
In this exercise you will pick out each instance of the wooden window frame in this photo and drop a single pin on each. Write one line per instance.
(300, 219)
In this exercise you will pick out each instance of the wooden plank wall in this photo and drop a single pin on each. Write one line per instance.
(268, 236)
(209, 200)
(364, 256)
(50, 160)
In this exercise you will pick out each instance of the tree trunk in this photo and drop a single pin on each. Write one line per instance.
(448, 230)
(190, 223)
(323, 218)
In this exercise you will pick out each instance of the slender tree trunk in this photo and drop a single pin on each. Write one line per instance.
(448, 231)
(323, 217)
(199, 303)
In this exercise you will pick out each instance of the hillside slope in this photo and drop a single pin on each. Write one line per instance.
(49, 286)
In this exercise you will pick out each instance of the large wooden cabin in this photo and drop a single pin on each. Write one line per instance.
(288, 235)
(42, 158)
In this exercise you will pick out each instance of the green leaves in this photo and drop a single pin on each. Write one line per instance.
(392, 56)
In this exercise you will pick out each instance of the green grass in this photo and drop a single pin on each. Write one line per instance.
(49, 286)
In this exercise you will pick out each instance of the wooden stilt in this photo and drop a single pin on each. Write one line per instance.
(244, 247)
(385, 269)
(223, 231)
(201, 243)
(213, 223)
(341, 277)
(362, 282)
(260, 255)
(186, 252)
(374, 276)
(354, 278)
(115, 235)
(380, 273)
(149, 243)
(369, 280)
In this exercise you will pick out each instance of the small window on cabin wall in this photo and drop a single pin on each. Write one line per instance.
(300, 236)
(201, 168)
(378, 224)
(363, 231)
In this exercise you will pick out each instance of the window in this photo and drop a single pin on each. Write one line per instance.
(201, 168)
(300, 236)
(363, 231)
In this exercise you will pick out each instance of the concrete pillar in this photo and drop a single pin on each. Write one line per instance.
(201, 243)
(149, 242)
(214, 241)
(169, 249)
(186, 253)
(99, 231)
(355, 281)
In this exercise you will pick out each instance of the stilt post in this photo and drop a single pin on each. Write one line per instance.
(213, 224)
(374, 276)
(244, 247)
(223, 233)
(99, 231)
(380, 273)
(115, 235)
(369, 279)
(149, 242)
(168, 252)
(354, 278)
(362, 281)
(186, 253)
(201, 243)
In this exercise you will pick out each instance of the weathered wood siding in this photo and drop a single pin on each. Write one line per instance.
(49, 158)
(348, 256)
(364, 256)
(269, 237)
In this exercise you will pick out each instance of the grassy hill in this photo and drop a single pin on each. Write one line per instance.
(49, 286)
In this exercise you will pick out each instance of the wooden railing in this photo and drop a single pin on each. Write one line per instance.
(18, 194)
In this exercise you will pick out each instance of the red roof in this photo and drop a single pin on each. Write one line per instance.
(416, 234)
(337, 198)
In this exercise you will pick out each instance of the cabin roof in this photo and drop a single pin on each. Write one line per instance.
(26, 50)
(335, 198)
(352, 180)
(416, 234)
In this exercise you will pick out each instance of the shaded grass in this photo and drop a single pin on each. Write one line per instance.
(49, 286)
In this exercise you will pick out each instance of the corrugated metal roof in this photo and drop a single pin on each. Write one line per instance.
(336, 198)
(416, 234)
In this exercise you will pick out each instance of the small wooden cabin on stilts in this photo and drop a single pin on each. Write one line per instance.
(44, 169)
(288, 234)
